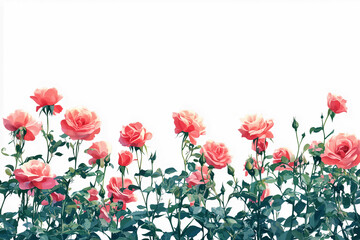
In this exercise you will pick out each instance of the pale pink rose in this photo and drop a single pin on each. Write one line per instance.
(125, 158)
(342, 150)
(196, 178)
(255, 166)
(189, 122)
(104, 212)
(262, 144)
(99, 151)
(21, 119)
(216, 154)
(93, 195)
(283, 152)
(35, 173)
(114, 188)
(47, 97)
(336, 103)
(134, 135)
(80, 124)
(255, 126)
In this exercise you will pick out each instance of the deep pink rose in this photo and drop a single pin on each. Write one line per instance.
(255, 126)
(342, 150)
(125, 158)
(261, 146)
(336, 103)
(93, 194)
(197, 178)
(283, 152)
(47, 97)
(35, 173)
(21, 119)
(134, 135)
(114, 188)
(104, 212)
(80, 124)
(216, 154)
(99, 151)
(189, 122)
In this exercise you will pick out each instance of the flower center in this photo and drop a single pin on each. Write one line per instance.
(342, 150)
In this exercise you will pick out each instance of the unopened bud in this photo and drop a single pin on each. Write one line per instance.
(8, 172)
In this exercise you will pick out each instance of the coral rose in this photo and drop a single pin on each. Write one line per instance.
(189, 122)
(216, 154)
(197, 178)
(21, 119)
(114, 188)
(56, 197)
(342, 150)
(336, 103)
(125, 158)
(35, 173)
(104, 212)
(134, 135)
(283, 152)
(47, 97)
(255, 126)
(99, 151)
(261, 146)
(80, 124)
(93, 194)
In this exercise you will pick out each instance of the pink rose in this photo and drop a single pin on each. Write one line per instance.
(342, 150)
(262, 144)
(255, 165)
(336, 103)
(99, 151)
(255, 126)
(283, 152)
(104, 212)
(216, 154)
(93, 194)
(114, 188)
(125, 158)
(35, 173)
(21, 119)
(47, 97)
(80, 124)
(56, 197)
(189, 122)
(134, 135)
(196, 178)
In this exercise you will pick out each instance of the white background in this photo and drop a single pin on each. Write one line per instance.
(142, 60)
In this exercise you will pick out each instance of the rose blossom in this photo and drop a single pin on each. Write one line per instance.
(134, 135)
(255, 165)
(80, 124)
(114, 188)
(125, 158)
(35, 173)
(255, 126)
(196, 177)
(342, 150)
(216, 154)
(99, 151)
(93, 194)
(262, 144)
(283, 152)
(336, 103)
(47, 97)
(104, 212)
(56, 197)
(21, 119)
(189, 122)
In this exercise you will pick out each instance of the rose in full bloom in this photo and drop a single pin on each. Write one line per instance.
(35, 173)
(134, 135)
(260, 145)
(114, 189)
(80, 124)
(283, 152)
(56, 197)
(99, 151)
(93, 194)
(104, 212)
(255, 126)
(216, 154)
(125, 158)
(342, 150)
(254, 165)
(197, 178)
(189, 122)
(336, 103)
(47, 97)
(21, 119)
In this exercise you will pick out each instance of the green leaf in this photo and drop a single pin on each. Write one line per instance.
(192, 231)
(315, 129)
(170, 170)
(299, 207)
